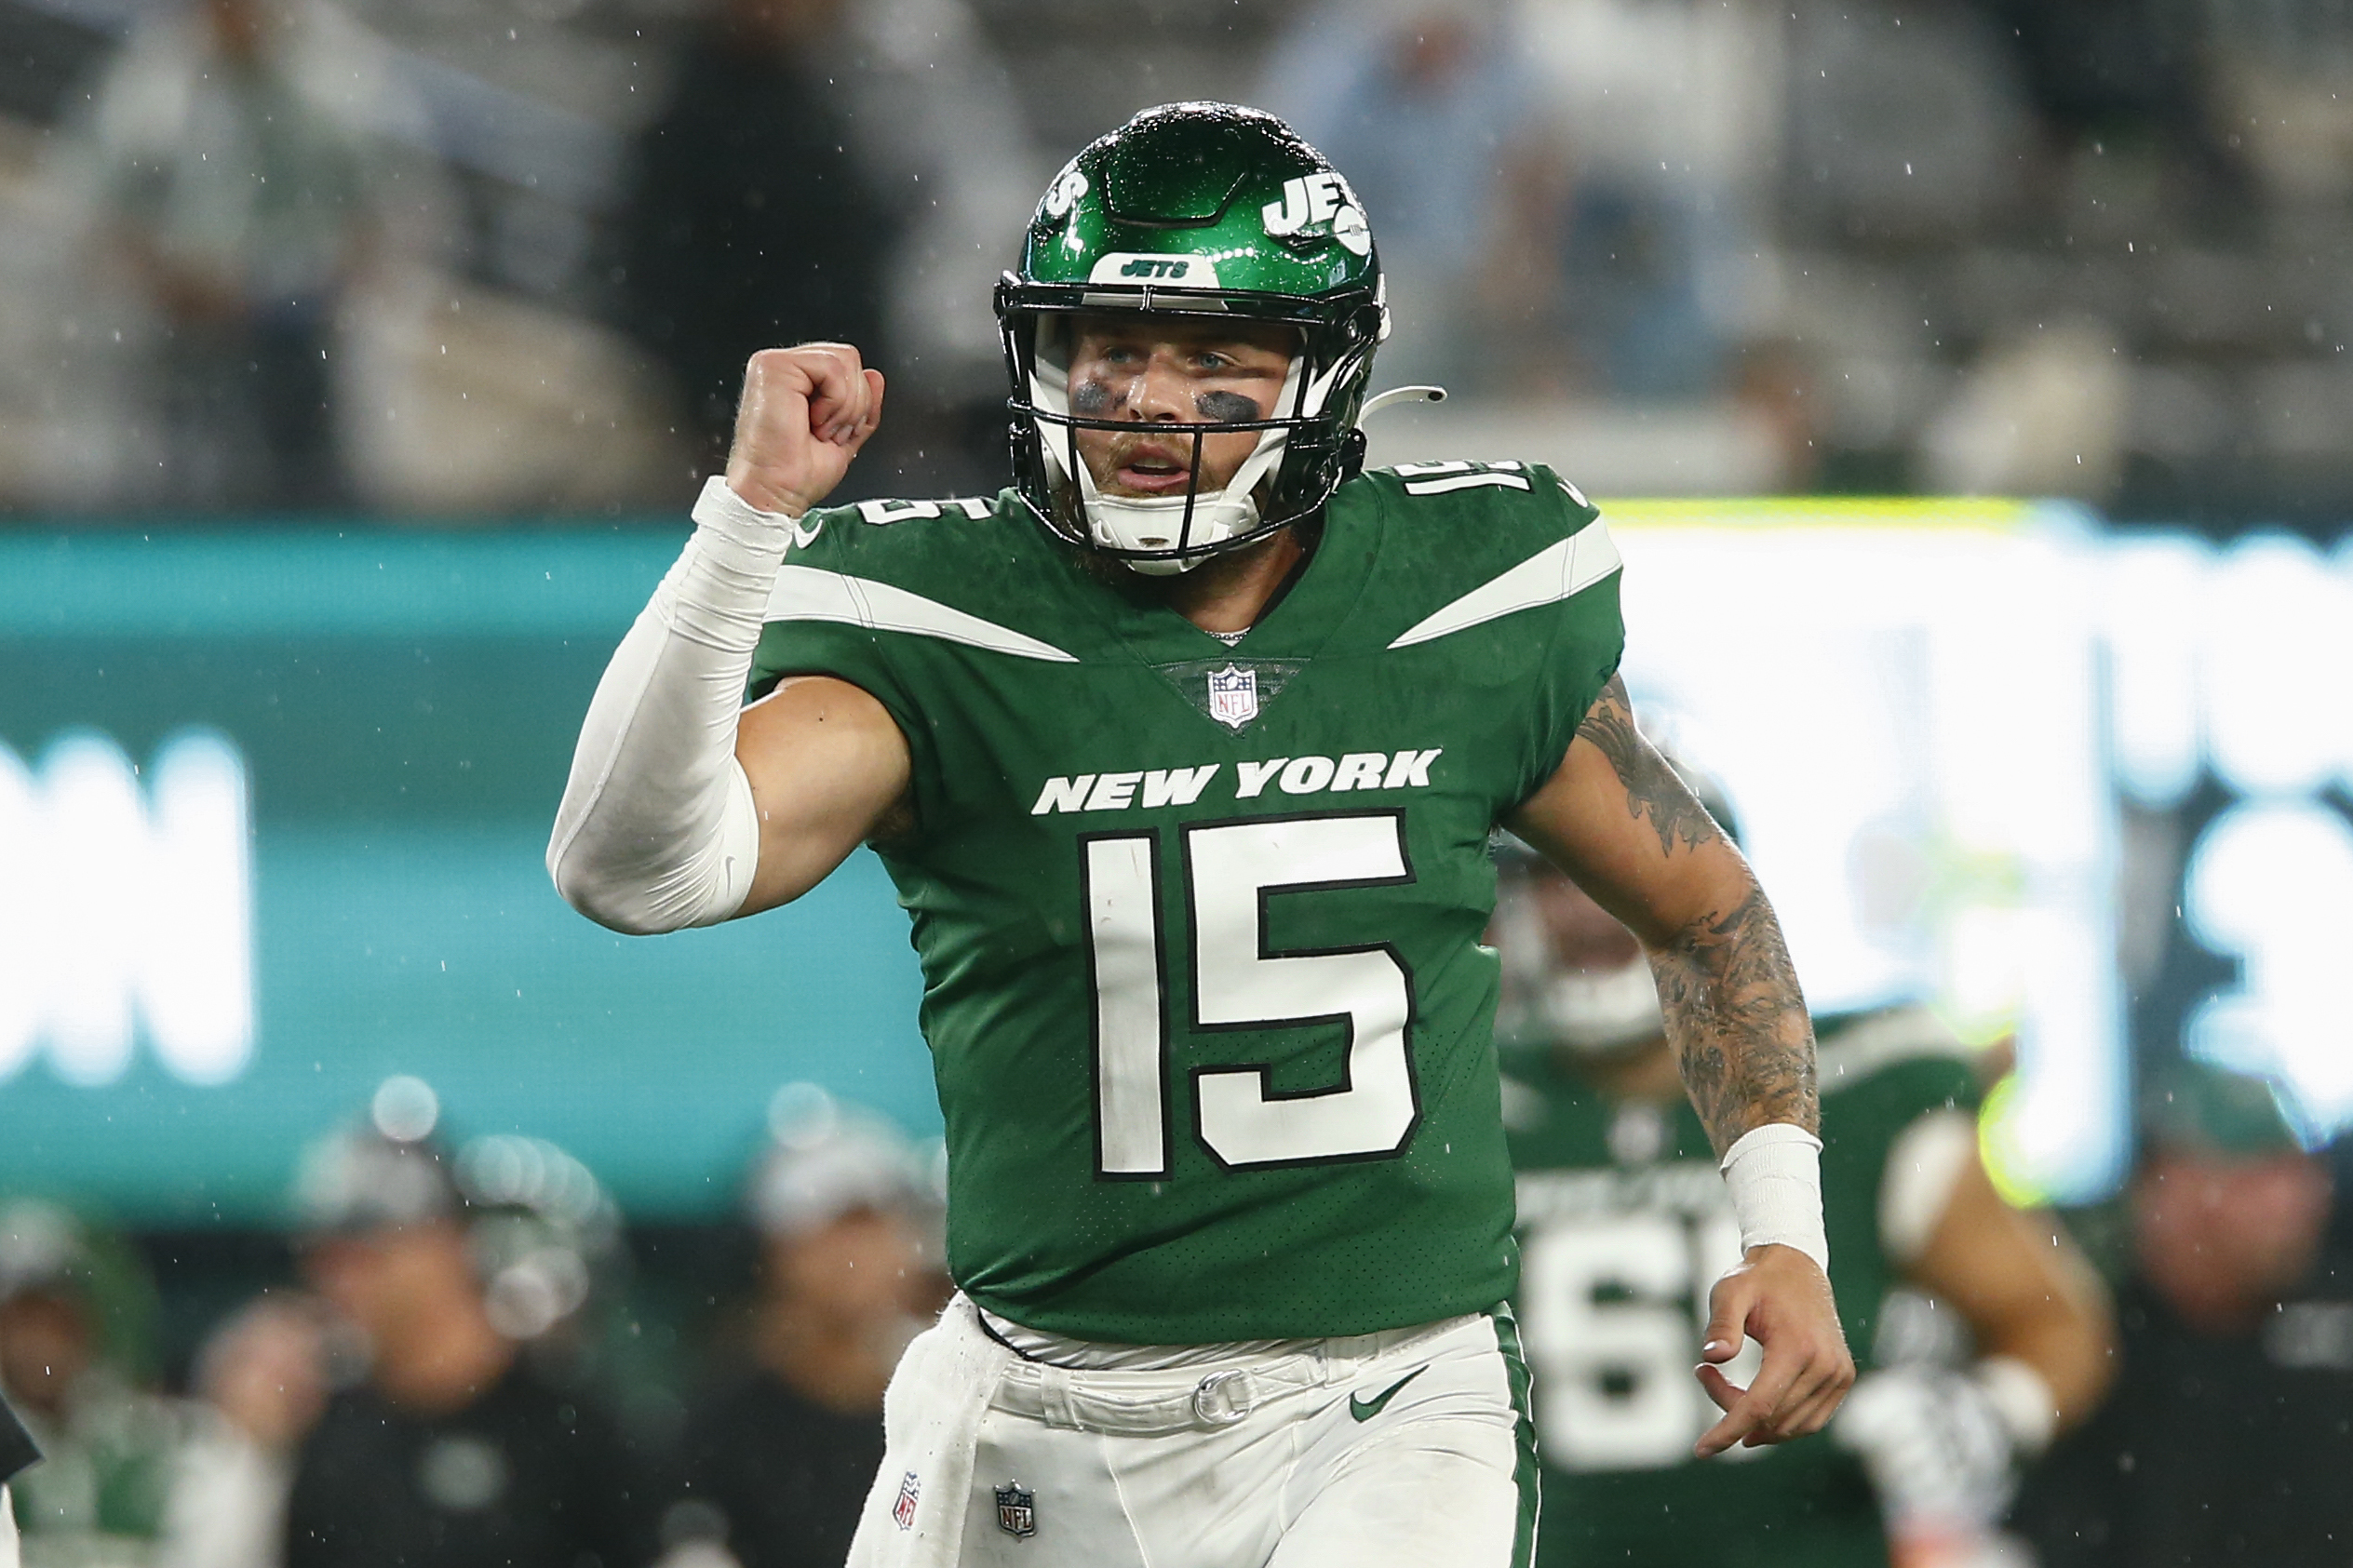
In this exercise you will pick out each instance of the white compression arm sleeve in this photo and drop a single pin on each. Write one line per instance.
(657, 830)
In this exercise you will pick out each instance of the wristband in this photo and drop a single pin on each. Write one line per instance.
(1774, 1176)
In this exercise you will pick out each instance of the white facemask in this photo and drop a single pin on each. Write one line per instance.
(1593, 1013)
(1601, 1014)
(1158, 522)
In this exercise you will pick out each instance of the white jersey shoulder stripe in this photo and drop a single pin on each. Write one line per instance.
(1560, 572)
(806, 593)
(1467, 482)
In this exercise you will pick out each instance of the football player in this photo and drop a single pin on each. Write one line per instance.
(1183, 753)
(1624, 1224)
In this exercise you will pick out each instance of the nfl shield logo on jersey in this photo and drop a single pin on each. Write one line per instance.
(904, 1509)
(1233, 695)
(1016, 1511)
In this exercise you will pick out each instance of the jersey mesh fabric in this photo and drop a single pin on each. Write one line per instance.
(1804, 1502)
(1023, 759)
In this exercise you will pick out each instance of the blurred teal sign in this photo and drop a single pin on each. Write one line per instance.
(272, 809)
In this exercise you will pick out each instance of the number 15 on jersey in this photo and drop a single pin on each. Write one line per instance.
(1231, 870)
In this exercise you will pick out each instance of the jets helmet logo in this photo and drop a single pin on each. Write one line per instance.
(1068, 188)
(1233, 696)
(1313, 199)
(1016, 1511)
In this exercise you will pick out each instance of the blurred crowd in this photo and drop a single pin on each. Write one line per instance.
(449, 1356)
(411, 257)
(444, 1364)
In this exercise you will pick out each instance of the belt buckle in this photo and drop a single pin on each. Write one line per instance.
(1222, 1398)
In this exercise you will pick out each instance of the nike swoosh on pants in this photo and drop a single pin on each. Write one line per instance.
(1365, 1409)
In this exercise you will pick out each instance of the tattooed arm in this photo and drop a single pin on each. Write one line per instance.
(1617, 819)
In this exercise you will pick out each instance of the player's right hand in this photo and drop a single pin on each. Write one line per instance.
(805, 412)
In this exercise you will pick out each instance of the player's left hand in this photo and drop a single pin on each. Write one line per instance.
(1777, 1297)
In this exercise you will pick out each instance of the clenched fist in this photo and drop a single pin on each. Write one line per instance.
(805, 412)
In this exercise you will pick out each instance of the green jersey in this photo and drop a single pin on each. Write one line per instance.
(1199, 922)
(1626, 1224)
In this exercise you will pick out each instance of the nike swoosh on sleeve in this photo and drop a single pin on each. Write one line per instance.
(808, 593)
(1557, 572)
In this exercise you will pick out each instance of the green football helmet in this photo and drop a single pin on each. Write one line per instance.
(1214, 211)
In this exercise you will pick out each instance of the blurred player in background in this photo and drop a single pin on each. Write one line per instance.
(459, 1448)
(1183, 754)
(261, 1377)
(1623, 1225)
(785, 1451)
(73, 1353)
(2229, 1438)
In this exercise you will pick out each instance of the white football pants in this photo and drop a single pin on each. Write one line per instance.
(1404, 1448)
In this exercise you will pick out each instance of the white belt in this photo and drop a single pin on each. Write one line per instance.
(1189, 1399)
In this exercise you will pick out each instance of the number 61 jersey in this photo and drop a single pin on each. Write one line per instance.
(1628, 1227)
(1200, 924)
